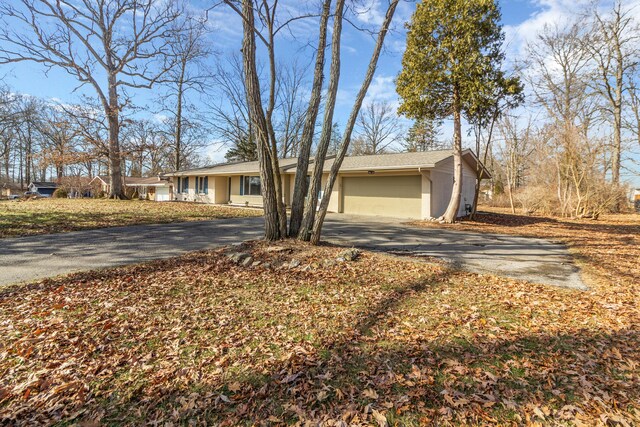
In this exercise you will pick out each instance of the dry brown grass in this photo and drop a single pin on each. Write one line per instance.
(45, 216)
(381, 340)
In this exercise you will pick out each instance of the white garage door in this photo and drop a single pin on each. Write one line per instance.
(163, 194)
(393, 196)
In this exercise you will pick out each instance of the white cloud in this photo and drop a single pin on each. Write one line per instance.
(215, 153)
(369, 12)
(553, 12)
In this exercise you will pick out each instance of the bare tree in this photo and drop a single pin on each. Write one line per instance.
(8, 127)
(379, 127)
(514, 151)
(612, 43)
(188, 76)
(559, 75)
(301, 185)
(504, 95)
(110, 45)
(60, 138)
(229, 112)
(291, 84)
(29, 117)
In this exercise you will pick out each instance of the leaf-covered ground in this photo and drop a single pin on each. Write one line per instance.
(380, 340)
(45, 216)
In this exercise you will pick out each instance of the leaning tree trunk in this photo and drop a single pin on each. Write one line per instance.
(275, 165)
(346, 138)
(259, 125)
(451, 213)
(300, 188)
(327, 127)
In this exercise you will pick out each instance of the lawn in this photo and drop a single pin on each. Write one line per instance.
(376, 341)
(44, 216)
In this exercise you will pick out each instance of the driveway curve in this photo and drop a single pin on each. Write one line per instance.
(30, 258)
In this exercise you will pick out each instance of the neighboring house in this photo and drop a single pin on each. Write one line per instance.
(156, 188)
(44, 189)
(636, 199)
(9, 190)
(402, 185)
(153, 188)
(78, 186)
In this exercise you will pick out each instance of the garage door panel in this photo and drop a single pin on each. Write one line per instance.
(395, 196)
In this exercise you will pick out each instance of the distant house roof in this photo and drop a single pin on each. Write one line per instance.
(131, 181)
(10, 185)
(42, 184)
(391, 161)
(232, 168)
(153, 181)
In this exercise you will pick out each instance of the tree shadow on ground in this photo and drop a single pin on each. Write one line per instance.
(413, 381)
(376, 367)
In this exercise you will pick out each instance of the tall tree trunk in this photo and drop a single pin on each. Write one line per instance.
(327, 127)
(617, 121)
(300, 188)
(259, 124)
(28, 156)
(178, 133)
(451, 213)
(346, 138)
(480, 168)
(273, 154)
(116, 188)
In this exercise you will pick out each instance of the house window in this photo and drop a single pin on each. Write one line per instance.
(202, 184)
(250, 186)
(185, 184)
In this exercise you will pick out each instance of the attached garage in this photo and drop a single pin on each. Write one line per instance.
(393, 196)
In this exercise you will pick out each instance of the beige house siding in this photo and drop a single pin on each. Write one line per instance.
(442, 185)
(416, 192)
(238, 199)
(334, 201)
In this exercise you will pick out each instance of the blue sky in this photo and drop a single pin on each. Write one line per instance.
(522, 19)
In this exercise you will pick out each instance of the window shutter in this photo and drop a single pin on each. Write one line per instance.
(178, 183)
(206, 185)
(197, 184)
(241, 185)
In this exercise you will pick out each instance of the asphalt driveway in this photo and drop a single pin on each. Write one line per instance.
(30, 258)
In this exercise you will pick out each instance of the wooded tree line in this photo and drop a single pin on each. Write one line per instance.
(564, 154)
(41, 140)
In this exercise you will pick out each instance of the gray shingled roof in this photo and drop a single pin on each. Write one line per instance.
(153, 181)
(233, 168)
(425, 159)
(41, 184)
(391, 161)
